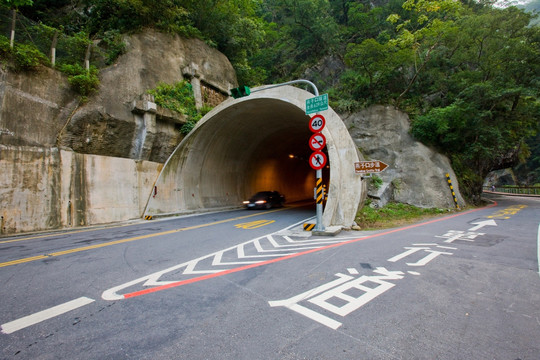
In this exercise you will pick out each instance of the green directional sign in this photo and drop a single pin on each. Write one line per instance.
(316, 104)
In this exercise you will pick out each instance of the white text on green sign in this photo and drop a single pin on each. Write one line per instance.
(316, 104)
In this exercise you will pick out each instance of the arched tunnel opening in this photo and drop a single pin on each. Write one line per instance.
(248, 145)
(261, 145)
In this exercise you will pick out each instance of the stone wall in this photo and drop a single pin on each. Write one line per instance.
(50, 188)
(112, 144)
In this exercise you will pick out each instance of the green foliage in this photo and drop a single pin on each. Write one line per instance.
(392, 214)
(179, 97)
(82, 81)
(5, 49)
(298, 32)
(113, 44)
(28, 57)
(23, 57)
(377, 66)
(488, 103)
(376, 181)
(74, 48)
(13, 4)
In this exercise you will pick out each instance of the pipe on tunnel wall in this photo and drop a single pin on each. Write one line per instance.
(257, 143)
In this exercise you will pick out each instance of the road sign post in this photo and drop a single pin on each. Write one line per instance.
(318, 159)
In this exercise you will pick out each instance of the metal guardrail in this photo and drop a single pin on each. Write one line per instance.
(518, 190)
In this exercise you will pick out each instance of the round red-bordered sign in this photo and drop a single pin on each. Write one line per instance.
(317, 142)
(317, 160)
(316, 123)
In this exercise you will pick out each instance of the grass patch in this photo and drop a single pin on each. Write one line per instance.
(393, 215)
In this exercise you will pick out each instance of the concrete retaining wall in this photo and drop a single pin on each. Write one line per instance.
(50, 188)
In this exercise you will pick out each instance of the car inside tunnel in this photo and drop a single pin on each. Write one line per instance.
(258, 143)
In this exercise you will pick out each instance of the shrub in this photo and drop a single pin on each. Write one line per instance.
(114, 45)
(179, 97)
(27, 57)
(83, 81)
(376, 181)
(23, 57)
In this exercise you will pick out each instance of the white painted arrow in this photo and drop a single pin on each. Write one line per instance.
(481, 224)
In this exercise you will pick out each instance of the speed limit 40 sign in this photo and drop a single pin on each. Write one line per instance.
(316, 123)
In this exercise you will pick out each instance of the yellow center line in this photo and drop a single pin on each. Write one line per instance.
(67, 232)
(135, 238)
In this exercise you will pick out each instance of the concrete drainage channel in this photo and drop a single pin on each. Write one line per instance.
(255, 143)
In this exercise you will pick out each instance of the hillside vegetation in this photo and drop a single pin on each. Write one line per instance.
(467, 73)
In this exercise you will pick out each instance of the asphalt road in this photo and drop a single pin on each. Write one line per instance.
(244, 285)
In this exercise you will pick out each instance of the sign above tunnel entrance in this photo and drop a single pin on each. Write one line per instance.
(317, 104)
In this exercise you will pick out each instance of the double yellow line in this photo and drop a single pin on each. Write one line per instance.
(116, 242)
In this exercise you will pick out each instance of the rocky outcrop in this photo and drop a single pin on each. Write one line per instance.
(416, 174)
(501, 178)
(112, 124)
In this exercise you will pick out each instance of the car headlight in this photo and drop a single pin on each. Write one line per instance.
(260, 202)
(246, 202)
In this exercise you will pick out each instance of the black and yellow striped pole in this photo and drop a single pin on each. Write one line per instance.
(320, 192)
(452, 189)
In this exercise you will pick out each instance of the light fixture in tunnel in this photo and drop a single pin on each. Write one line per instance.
(291, 156)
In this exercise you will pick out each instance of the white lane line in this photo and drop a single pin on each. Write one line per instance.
(33, 319)
(538, 248)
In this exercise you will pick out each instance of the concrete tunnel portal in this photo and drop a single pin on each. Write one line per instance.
(258, 143)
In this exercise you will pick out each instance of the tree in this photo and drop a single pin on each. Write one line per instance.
(379, 66)
(306, 31)
(489, 103)
(234, 27)
(428, 24)
(14, 5)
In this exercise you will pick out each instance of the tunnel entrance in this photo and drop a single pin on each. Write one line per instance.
(253, 144)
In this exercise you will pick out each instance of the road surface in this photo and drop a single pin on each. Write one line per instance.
(246, 285)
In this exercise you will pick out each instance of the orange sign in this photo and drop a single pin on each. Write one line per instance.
(364, 167)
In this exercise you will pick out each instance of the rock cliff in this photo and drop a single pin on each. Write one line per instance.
(115, 122)
(416, 174)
